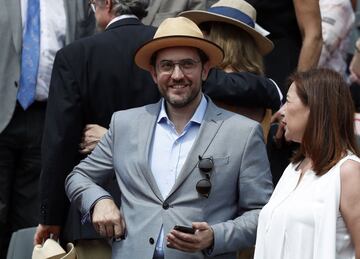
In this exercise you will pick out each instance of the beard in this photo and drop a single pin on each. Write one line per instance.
(183, 99)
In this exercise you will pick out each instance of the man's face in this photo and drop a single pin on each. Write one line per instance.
(179, 73)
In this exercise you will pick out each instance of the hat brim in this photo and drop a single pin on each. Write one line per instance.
(198, 16)
(144, 53)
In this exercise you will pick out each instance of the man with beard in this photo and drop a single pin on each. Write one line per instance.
(181, 161)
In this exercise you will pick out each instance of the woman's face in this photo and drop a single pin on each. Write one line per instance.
(296, 115)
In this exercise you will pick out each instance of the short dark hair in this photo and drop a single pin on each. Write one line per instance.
(329, 132)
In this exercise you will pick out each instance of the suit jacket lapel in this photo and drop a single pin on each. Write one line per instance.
(14, 11)
(146, 127)
(210, 126)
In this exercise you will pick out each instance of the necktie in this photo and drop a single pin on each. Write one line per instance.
(30, 55)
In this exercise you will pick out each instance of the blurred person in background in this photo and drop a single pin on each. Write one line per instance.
(31, 33)
(337, 20)
(295, 30)
(159, 10)
(92, 78)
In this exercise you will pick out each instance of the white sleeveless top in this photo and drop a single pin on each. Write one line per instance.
(304, 222)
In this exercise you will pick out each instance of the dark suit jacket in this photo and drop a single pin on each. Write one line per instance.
(242, 89)
(91, 79)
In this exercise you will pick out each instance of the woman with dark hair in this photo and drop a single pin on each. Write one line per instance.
(314, 211)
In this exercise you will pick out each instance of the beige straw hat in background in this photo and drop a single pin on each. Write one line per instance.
(235, 12)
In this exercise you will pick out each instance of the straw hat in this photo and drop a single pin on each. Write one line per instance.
(52, 249)
(235, 12)
(177, 32)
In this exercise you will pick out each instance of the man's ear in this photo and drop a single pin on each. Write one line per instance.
(205, 70)
(153, 74)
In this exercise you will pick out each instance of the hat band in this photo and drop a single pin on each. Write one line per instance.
(233, 13)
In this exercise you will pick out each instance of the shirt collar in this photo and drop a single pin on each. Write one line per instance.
(121, 17)
(196, 118)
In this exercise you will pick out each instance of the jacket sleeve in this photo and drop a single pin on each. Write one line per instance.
(61, 139)
(83, 185)
(242, 89)
(255, 188)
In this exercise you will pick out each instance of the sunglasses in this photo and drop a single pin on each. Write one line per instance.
(206, 166)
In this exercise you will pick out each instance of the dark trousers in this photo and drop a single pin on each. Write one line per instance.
(20, 166)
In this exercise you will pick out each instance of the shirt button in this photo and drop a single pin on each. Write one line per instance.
(165, 205)
(151, 241)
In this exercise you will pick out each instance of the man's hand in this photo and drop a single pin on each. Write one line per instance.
(91, 136)
(279, 137)
(44, 232)
(107, 219)
(202, 239)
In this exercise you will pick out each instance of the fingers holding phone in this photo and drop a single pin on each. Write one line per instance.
(185, 229)
(191, 239)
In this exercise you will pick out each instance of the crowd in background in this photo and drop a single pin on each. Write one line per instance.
(67, 66)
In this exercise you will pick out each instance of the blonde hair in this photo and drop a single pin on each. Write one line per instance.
(241, 52)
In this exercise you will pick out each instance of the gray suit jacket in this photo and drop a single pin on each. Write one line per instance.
(78, 25)
(241, 182)
(159, 10)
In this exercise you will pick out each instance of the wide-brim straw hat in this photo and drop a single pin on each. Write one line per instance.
(52, 250)
(235, 12)
(178, 32)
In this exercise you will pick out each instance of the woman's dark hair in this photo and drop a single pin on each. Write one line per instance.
(329, 132)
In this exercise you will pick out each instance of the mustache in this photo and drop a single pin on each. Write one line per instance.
(179, 82)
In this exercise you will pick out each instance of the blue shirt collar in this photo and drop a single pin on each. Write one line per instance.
(196, 118)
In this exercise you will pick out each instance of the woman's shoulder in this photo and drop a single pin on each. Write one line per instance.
(350, 168)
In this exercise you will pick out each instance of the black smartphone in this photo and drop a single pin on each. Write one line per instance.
(184, 229)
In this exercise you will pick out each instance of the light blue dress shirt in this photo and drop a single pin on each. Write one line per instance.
(169, 151)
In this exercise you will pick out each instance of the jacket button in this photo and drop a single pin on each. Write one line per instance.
(165, 205)
(151, 241)
(16, 84)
